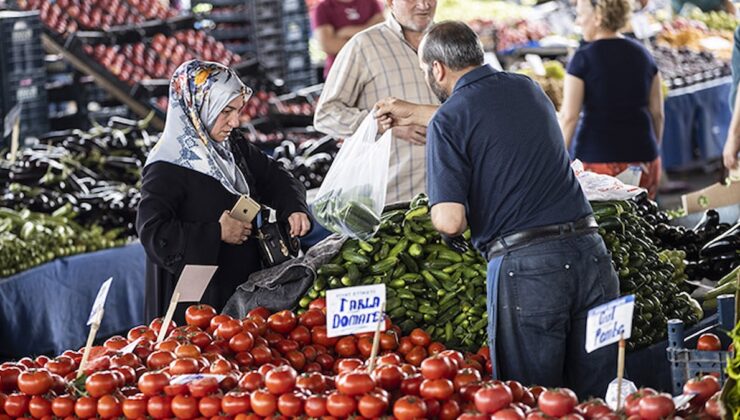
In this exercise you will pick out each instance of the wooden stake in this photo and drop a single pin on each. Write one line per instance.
(14, 139)
(376, 339)
(168, 316)
(94, 327)
(620, 371)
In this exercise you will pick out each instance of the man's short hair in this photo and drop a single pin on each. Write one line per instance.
(453, 44)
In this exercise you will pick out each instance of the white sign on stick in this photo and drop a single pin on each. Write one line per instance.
(353, 310)
(99, 301)
(193, 282)
(607, 323)
(186, 379)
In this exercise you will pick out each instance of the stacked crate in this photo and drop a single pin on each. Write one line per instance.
(22, 71)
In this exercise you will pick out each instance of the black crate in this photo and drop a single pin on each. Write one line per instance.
(34, 119)
(296, 29)
(20, 42)
(294, 6)
(23, 88)
(297, 62)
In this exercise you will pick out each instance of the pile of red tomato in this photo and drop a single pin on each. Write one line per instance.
(283, 366)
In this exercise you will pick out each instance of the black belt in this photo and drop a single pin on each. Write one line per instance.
(519, 239)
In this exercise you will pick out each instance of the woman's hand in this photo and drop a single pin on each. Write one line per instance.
(233, 231)
(299, 224)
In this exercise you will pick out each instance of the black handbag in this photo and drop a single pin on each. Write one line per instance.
(275, 243)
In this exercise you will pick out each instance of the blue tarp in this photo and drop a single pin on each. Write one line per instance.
(45, 309)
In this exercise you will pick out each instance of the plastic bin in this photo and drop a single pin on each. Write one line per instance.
(296, 29)
(20, 42)
(297, 62)
(687, 363)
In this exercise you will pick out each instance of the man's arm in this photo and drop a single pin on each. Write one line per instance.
(337, 113)
(655, 105)
(570, 111)
(394, 112)
(449, 218)
(732, 144)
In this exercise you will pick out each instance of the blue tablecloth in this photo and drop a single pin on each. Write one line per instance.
(45, 309)
(696, 123)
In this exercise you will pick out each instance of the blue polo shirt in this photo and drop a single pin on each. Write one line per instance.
(495, 146)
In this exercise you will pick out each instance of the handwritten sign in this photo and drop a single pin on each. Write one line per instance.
(186, 379)
(99, 302)
(353, 310)
(607, 323)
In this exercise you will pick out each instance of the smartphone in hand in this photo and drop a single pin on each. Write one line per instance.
(245, 209)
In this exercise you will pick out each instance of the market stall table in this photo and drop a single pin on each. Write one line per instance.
(696, 119)
(45, 309)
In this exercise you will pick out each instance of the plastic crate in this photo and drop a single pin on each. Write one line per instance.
(687, 363)
(20, 42)
(296, 29)
(22, 88)
(294, 6)
(297, 62)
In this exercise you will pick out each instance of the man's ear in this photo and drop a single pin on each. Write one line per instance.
(438, 71)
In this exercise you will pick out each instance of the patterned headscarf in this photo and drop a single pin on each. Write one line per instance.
(199, 91)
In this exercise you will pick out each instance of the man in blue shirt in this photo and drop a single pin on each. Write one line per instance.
(495, 159)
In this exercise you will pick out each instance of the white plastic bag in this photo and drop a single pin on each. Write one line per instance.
(599, 187)
(352, 196)
(628, 387)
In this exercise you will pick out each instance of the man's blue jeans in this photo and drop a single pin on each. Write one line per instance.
(545, 290)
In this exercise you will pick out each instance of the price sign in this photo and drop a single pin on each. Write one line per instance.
(186, 379)
(190, 288)
(610, 322)
(353, 310)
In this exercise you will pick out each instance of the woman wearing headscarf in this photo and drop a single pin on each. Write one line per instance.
(194, 175)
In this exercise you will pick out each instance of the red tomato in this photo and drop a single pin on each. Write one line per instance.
(63, 405)
(153, 383)
(173, 390)
(109, 407)
(436, 348)
(712, 407)
(466, 376)
(9, 378)
(313, 383)
(315, 406)
(411, 385)
(318, 303)
(437, 367)
(260, 311)
(388, 376)
(280, 380)
(199, 315)
(340, 405)
(312, 318)
(228, 329)
(301, 335)
(325, 361)
(632, 402)
(708, 342)
(346, 346)
(159, 406)
(492, 398)
(654, 407)
(296, 359)
(474, 415)
(405, 345)
(16, 405)
(388, 341)
(365, 347)
(141, 331)
(209, 406)
(39, 407)
(100, 383)
(202, 387)
(373, 405)
(347, 365)
(35, 381)
(134, 407)
(593, 409)
(160, 359)
(510, 413)
(115, 343)
(252, 381)
(419, 337)
(156, 324)
(187, 350)
(389, 359)
(263, 403)
(318, 336)
(235, 402)
(220, 367)
(409, 408)
(416, 355)
(704, 387)
(86, 407)
(355, 383)
(557, 402)
(437, 389)
(184, 366)
(282, 322)
(449, 410)
(261, 354)
(290, 404)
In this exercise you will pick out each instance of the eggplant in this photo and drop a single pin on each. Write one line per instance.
(726, 243)
(710, 219)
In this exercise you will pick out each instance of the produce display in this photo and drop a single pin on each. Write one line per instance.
(731, 392)
(682, 67)
(716, 20)
(429, 285)
(310, 161)
(284, 366)
(552, 82)
(88, 179)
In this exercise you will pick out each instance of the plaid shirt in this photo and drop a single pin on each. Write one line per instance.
(373, 65)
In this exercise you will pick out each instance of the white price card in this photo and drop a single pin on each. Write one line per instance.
(130, 347)
(193, 282)
(353, 310)
(99, 301)
(186, 379)
(11, 118)
(607, 323)
(538, 67)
